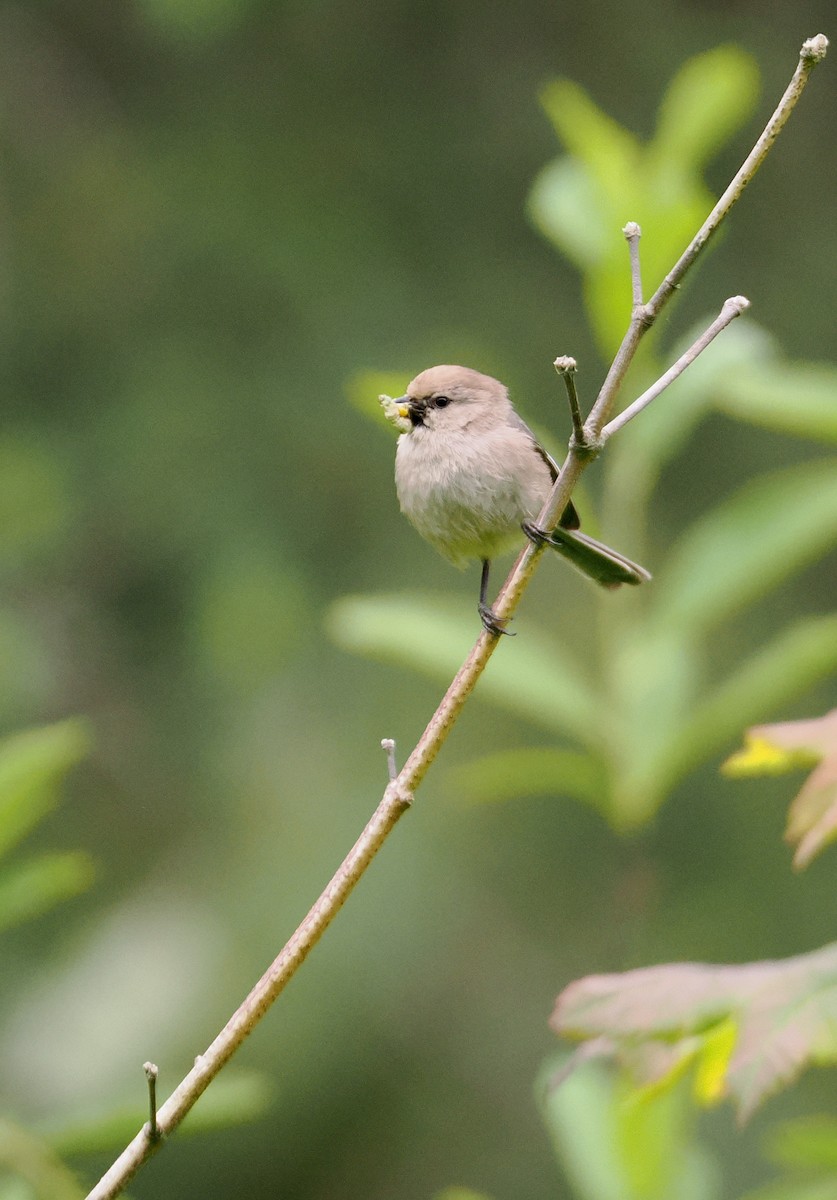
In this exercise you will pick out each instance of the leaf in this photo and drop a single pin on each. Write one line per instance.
(736, 553)
(533, 678)
(804, 1142)
(799, 399)
(784, 1012)
(787, 746)
(613, 1144)
(534, 771)
(796, 1189)
(710, 97)
(32, 765)
(31, 1160)
(30, 888)
(798, 657)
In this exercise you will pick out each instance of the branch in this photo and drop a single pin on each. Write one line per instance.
(399, 793)
(813, 51)
(732, 308)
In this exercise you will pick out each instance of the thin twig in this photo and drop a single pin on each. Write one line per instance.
(732, 308)
(633, 233)
(399, 793)
(388, 744)
(566, 368)
(151, 1073)
(813, 51)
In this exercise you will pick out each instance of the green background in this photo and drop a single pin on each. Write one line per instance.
(213, 217)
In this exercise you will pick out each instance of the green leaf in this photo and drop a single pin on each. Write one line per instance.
(799, 399)
(607, 149)
(564, 204)
(34, 1162)
(532, 677)
(32, 765)
(30, 888)
(461, 1193)
(800, 656)
(784, 1015)
(736, 553)
(796, 1189)
(805, 1143)
(654, 677)
(534, 771)
(710, 97)
(614, 1144)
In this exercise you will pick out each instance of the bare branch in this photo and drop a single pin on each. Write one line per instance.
(633, 233)
(813, 51)
(566, 368)
(732, 308)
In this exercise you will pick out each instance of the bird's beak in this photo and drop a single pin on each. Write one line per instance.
(411, 410)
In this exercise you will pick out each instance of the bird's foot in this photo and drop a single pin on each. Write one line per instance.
(536, 535)
(492, 623)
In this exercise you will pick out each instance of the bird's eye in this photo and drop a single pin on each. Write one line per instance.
(442, 401)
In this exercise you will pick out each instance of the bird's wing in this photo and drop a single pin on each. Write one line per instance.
(570, 518)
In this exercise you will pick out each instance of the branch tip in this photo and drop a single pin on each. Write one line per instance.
(632, 230)
(388, 745)
(735, 306)
(151, 1074)
(564, 364)
(815, 49)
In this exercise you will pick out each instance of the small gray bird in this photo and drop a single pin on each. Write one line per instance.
(470, 474)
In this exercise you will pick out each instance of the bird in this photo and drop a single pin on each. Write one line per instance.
(470, 475)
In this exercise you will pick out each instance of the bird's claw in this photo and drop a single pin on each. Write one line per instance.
(540, 537)
(492, 623)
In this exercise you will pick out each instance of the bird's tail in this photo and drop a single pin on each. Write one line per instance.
(594, 559)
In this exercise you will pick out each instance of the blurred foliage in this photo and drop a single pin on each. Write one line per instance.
(212, 216)
(32, 768)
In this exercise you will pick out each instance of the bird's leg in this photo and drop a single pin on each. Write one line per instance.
(491, 622)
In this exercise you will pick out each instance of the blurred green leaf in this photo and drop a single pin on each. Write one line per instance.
(734, 554)
(234, 1098)
(710, 97)
(34, 1162)
(804, 1142)
(534, 677)
(613, 178)
(461, 1193)
(609, 151)
(799, 399)
(534, 771)
(797, 658)
(30, 888)
(614, 1144)
(654, 676)
(32, 766)
(562, 205)
(795, 1189)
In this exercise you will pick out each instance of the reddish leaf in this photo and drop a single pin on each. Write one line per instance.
(784, 1015)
